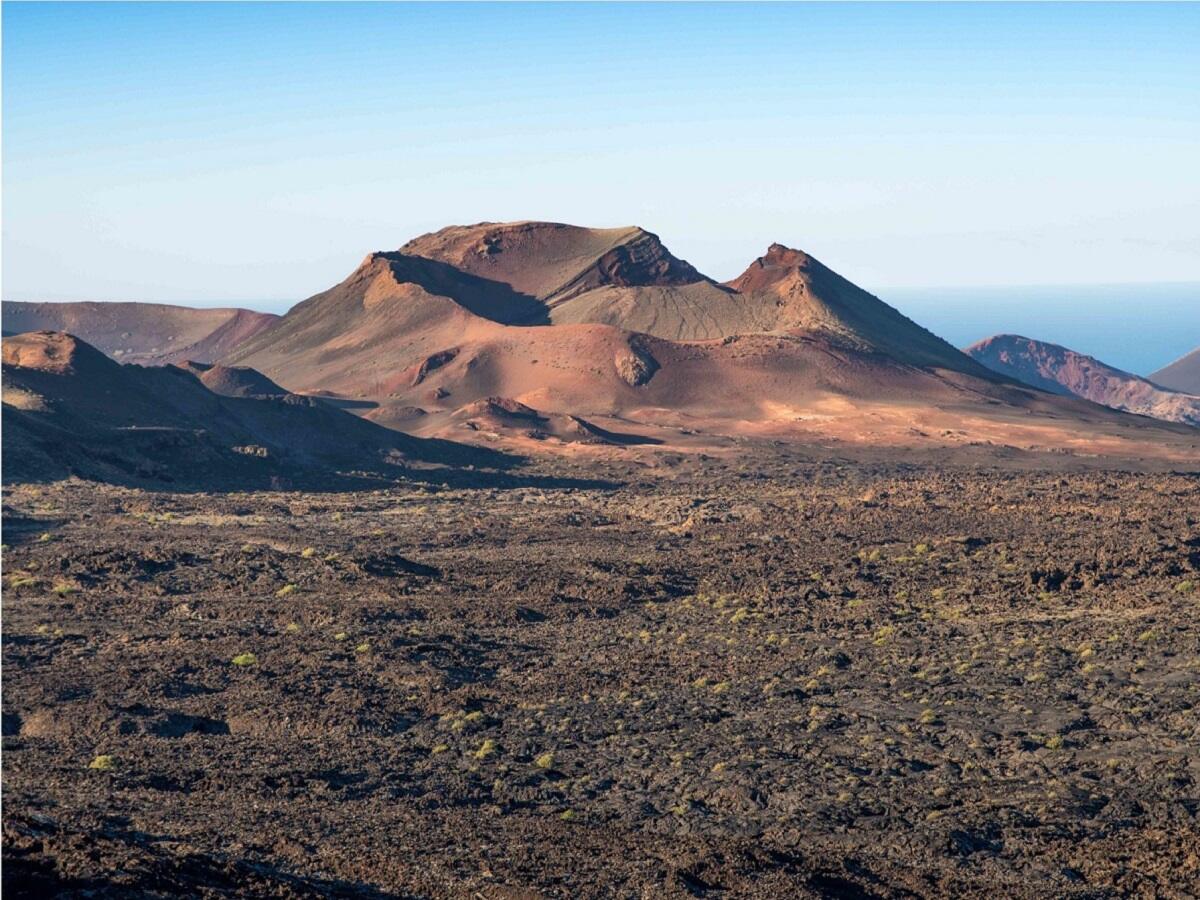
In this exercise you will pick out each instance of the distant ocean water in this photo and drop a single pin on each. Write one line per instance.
(1136, 327)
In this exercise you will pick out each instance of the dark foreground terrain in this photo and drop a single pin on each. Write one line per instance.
(800, 679)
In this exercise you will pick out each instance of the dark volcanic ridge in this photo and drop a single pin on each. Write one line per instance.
(1181, 375)
(233, 381)
(71, 411)
(1059, 370)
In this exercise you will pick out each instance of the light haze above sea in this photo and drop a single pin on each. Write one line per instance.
(1136, 327)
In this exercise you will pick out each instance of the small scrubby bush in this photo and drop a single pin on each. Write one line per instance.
(486, 749)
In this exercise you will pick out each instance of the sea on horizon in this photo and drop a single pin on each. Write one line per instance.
(1136, 327)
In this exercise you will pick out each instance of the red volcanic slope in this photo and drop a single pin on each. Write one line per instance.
(1062, 371)
(605, 324)
(626, 278)
(146, 333)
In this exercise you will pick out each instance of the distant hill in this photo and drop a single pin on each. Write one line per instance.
(583, 339)
(1181, 375)
(471, 313)
(1062, 371)
(608, 327)
(233, 381)
(146, 333)
(70, 410)
(625, 277)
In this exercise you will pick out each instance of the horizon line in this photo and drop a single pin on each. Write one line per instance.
(243, 302)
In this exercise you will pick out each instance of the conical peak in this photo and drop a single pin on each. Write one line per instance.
(779, 265)
(782, 255)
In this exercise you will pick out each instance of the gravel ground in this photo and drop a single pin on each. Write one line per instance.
(798, 678)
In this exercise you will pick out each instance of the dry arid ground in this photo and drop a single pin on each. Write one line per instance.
(761, 676)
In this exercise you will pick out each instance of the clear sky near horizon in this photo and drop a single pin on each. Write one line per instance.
(256, 152)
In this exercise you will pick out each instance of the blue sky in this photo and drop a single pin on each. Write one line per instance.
(227, 152)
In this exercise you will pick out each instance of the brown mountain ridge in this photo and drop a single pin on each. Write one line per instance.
(606, 324)
(146, 333)
(1059, 370)
(607, 338)
(71, 410)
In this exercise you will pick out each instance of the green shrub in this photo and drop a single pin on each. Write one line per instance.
(486, 749)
